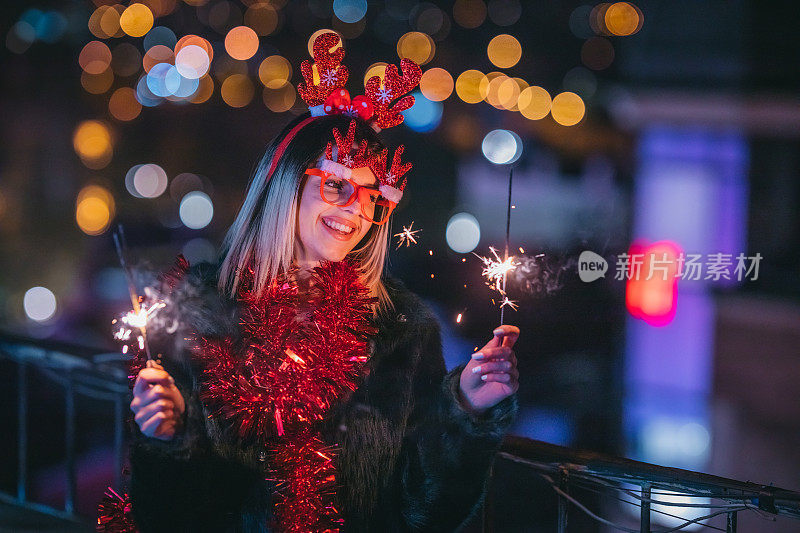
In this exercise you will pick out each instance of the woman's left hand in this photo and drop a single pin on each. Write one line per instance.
(491, 374)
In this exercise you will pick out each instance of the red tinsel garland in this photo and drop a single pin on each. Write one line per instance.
(298, 360)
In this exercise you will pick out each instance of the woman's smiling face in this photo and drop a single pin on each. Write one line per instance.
(328, 232)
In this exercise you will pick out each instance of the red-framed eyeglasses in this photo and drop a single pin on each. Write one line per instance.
(342, 192)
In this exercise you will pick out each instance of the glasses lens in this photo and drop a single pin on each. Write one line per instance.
(336, 190)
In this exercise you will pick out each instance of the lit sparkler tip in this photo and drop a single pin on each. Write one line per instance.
(407, 236)
(506, 302)
(458, 318)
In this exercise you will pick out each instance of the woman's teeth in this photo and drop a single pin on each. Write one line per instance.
(341, 228)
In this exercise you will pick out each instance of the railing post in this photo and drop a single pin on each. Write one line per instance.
(563, 484)
(22, 432)
(645, 521)
(118, 421)
(731, 522)
(69, 499)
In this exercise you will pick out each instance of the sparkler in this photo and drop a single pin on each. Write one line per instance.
(407, 236)
(139, 316)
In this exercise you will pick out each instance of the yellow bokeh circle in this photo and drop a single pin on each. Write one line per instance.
(136, 20)
(568, 109)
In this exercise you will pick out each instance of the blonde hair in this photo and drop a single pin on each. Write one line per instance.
(264, 231)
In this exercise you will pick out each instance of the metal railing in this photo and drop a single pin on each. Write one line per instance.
(99, 375)
(648, 485)
(79, 371)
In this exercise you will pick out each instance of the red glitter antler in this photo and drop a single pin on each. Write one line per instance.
(393, 87)
(332, 74)
(344, 148)
(396, 170)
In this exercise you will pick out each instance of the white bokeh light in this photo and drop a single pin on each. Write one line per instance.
(199, 250)
(196, 210)
(463, 233)
(501, 147)
(150, 180)
(192, 62)
(39, 304)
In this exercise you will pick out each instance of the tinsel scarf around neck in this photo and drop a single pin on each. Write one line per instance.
(275, 387)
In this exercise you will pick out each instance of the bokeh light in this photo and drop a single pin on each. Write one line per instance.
(501, 147)
(188, 40)
(597, 53)
(149, 181)
(275, 72)
(280, 99)
(95, 57)
(123, 104)
(436, 84)
(472, 86)
(97, 83)
(125, 60)
(504, 51)
(579, 22)
(262, 17)
(39, 304)
(622, 18)
(350, 10)
(417, 46)
(196, 210)
(157, 54)
(204, 90)
(567, 109)
(224, 15)
(469, 13)
(104, 22)
(424, 116)
(144, 95)
(184, 183)
(163, 80)
(136, 20)
(534, 102)
(241, 43)
(597, 18)
(20, 37)
(508, 93)
(430, 20)
(160, 35)
(463, 233)
(504, 12)
(237, 90)
(192, 62)
(493, 81)
(376, 69)
(94, 209)
(581, 81)
(93, 143)
(199, 250)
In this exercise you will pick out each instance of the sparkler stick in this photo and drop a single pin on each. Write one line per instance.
(119, 244)
(508, 234)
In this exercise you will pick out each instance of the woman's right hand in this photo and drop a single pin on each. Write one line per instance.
(157, 403)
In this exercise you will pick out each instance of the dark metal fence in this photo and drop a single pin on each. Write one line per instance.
(78, 370)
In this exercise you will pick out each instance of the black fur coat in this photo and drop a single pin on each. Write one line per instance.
(410, 459)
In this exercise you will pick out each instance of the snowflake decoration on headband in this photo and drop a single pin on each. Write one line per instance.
(380, 106)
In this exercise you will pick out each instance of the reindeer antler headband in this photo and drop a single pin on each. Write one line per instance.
(380, 107)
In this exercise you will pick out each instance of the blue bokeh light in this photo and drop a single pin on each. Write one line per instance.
(425, 115)
(350, 10)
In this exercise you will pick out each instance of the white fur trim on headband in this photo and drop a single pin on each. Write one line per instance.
(393, 194)
(317, 110)
(335, 168)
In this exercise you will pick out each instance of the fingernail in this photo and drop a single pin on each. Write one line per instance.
(498, 331)
(478, 355)
(483, 377)
(507, 365)
(476, 369)
(172, 380)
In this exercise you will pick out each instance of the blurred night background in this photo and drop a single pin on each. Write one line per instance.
(652, 126)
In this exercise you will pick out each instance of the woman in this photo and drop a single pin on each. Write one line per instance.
(410, 443)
